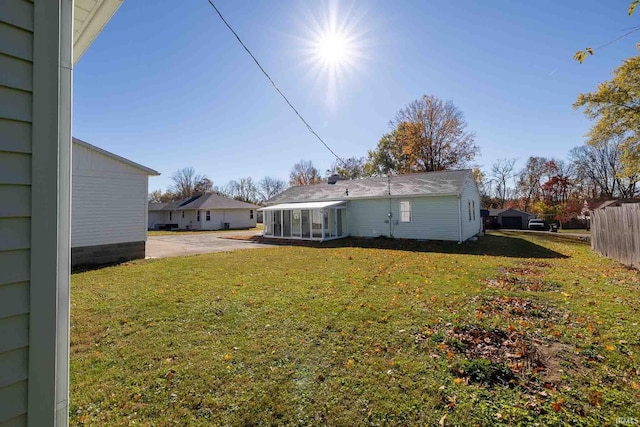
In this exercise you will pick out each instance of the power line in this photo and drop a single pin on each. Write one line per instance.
(274, 84)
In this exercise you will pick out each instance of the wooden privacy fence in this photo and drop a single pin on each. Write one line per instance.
(615, 233)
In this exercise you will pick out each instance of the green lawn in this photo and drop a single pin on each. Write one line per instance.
(508, 330)
(574, 231)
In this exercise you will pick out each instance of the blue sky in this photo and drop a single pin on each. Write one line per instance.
(167, 85)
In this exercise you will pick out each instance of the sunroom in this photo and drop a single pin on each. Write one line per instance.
(306, 221)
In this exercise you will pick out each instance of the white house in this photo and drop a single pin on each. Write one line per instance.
(203, 212)
(432, 206)
(109, 206)
(39, 43)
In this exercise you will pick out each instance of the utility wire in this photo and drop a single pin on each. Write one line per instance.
(274, 84)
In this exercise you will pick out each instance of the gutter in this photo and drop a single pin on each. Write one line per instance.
(460, 218)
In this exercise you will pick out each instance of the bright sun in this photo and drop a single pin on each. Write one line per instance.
(332, 48)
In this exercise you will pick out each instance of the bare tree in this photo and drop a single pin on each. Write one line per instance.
(186, 182)
(244, 189)
(304, 173)
(502, 171)
(599, 167)
(269, 187)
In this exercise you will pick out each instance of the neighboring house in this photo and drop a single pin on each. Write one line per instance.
(432, 206)
(109, 206)
(157, 217)
(203, 212)
(39, 43)
(507, 218)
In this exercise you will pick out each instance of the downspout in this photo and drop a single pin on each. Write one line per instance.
(460, 218)
(389, 214)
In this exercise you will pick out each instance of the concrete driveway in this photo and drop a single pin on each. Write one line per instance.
(167, 246)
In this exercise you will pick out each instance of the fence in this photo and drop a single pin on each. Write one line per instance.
(615, 233)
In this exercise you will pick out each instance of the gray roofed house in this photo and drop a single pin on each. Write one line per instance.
(433, 205)
(203, 212)
(507, 218)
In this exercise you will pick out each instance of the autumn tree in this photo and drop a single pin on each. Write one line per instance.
(351, 168)
(502, 170)
(304, 173)
(529, 180)
(269, 187)
(428, 135)
(158, 196)
(186, 182)
(615, 108)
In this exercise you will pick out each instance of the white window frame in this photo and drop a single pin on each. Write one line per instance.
(402, 212)
(473, 202)
(250, 213)
(469, 203)
(198, 215)
(208, 217)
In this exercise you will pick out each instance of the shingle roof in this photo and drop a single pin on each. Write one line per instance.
(215, 201)
(496, 212)
(444, 183)
(156, 206)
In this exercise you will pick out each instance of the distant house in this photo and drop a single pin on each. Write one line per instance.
(109, 206)
(203, 212)
(506, 218)
(434, 205)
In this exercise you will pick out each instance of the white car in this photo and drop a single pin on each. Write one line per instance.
(537, 224)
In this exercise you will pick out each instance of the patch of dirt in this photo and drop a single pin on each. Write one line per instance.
(526, 278)
(513, 308)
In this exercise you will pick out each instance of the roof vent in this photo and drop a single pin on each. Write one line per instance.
(334, 178)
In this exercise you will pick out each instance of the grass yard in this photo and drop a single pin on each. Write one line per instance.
(574, 231)
(509, 330)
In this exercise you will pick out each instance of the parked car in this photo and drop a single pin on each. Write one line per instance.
(537, 224)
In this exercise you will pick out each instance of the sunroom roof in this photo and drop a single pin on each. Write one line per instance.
(305, 205)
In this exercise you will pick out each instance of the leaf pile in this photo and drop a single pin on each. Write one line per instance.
(526, 278)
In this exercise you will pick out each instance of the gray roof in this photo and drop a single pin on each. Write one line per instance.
(202, 201)
(496, 212)
(444, 183)
(216, 201)
(145, 169)
(156, 206)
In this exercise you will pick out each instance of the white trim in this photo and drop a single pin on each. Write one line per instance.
(48, 381)
(88, 146)
(305, 205)
(460, 219)
(93, 25)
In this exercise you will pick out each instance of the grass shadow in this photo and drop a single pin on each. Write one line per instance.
(490, 244)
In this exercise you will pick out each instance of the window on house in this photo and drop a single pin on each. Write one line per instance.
(405, 211)
(469, 203)
(208, 215)
(197, 215)
(473, 203)
(170, 216)
(250, 213)
(182, 214)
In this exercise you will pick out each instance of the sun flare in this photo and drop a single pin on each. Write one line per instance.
(332, 48)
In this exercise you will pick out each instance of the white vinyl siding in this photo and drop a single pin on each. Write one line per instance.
(237, 218)
(109, 203)
(471, 221)
(432, 218)
(16, 109)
